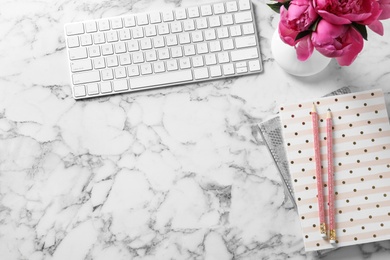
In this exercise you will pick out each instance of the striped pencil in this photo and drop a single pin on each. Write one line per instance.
(329, 146)
(317, 156)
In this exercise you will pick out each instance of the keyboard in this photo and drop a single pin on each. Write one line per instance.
(162, 48)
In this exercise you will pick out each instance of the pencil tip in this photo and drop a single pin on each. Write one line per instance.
(329, 109)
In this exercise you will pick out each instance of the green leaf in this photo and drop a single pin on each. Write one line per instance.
(302, 34)
(275, 7)
(362, 29)
(313, 27)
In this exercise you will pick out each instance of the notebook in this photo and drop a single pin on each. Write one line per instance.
(361, 163)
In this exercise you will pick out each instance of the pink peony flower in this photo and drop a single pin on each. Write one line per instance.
(299, 17)
(348, 11)
(342, 42)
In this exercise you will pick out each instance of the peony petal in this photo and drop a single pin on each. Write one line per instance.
(385, 6)
(377, 27)
(352, 50)
(304, 48)
(332, 18)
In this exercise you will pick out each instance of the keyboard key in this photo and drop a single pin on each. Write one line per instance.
(146, 44)
(205, 10)
(129, 21)
(210, 35)
(90, 27)
(79, 91)
(244, 54)
(112, 61)
(188, 25)
(176, 27)
(116, 23)
(112, 36)
(155, 17)
(99, 63)
(180, 13)
(107, 49)
(210, 59)
(86, 77)
(120, 85)
(228, 44)
(223, 57)
(214, 21)
(215, 71)
(120, 73)
(81, 65)
(254, 65)
(201, 23)
(124, 59)
(146, 68)
(219, 8)
(246, 41)
(99, 38)
(241, 67)
(73, 41)
(244, 4)
(105, 87)
(231, 6)
(184, 38)
(120, 47)
(107, 74)
(74, 28)
(167, 16)
(201, 73)
(133, 70)
(150, 30)
(243, 17)
(92, 89)
(227, 19)
(248, 28)
(172, 65)
(197, 61)
(86, 39)
(132, 45)
(162, 28)
(158, 42)
(94, 51)
(159, 67)
(78, 53)
(235, 30)
(193, 12)
(185, 63)
(142, 19)
(171, 77)
(104, 25)
(228, 69)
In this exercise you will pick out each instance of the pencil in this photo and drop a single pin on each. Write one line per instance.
(317, 159)
(329, 146)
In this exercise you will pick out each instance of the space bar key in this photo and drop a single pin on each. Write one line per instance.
(166, 78)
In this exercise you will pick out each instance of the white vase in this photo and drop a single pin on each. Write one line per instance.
(286, 56)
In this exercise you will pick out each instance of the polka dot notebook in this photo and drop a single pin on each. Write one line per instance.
(361, 149)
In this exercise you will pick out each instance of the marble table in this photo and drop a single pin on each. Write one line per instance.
(175, 173)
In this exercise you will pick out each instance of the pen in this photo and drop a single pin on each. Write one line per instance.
(317, 156)
(329, 146)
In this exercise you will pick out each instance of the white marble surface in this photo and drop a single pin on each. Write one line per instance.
(173, 173)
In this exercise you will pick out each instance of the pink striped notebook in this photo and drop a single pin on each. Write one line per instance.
(361, 149)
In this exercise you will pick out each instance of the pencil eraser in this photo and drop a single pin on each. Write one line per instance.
(333, 242)
(323, 235)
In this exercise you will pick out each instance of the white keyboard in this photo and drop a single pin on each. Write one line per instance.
(160, 49)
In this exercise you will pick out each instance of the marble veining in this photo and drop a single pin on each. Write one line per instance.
(174, 173)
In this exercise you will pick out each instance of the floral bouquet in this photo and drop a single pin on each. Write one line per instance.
(335, 28)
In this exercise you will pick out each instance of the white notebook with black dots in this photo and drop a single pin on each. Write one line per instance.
(361, 139)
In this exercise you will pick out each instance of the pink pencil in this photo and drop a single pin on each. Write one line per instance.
(317, 156)
(329, 145)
